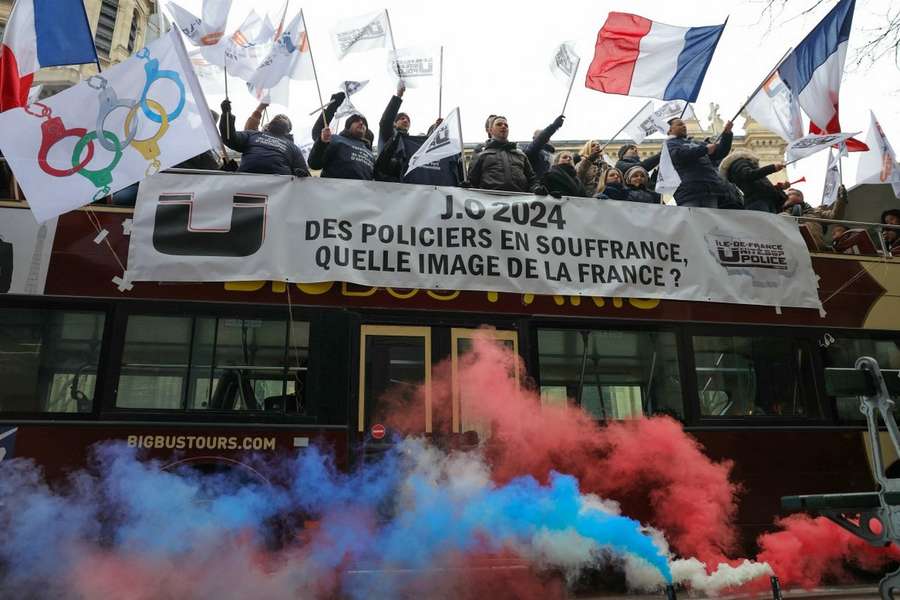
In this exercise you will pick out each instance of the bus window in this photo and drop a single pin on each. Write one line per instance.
(48, 360)
(215, 363)
(611, 374)
(754, 377)
(843, 352)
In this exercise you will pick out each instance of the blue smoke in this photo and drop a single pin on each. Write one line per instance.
(405, 511)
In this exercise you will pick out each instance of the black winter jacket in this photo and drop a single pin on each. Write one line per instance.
(345, 157)
(393, 161)
(643, 195)
(650, 163)
(261, 151)
(386, 128)
(563, 180)
(502, 166)
(693, 163)
(743, 170)
(540, 152)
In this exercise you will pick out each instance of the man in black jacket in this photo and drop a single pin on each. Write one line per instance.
(539, 151)
(392, 121)
(347, 155)
(502, 166)
(271, 151)
(629, 157)
(743, 170)
(696, 163)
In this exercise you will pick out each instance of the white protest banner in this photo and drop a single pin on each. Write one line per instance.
(879, 164)
(289, 58)
(565, 62)
(265, 227)
(810, 144)
(641, 125)
(206, 31)
(444, 141)
(416, 66)
(656, 120)
(776, 108)
(358, 34)
(210, 76)
(832, 178)
(25, 247)
(245, 48)
(667, 179)
(349, 88)
(138, 117)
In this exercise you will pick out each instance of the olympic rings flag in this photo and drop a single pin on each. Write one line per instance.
(138, 117)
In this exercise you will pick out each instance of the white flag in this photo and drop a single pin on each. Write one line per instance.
(832, 178)
(667, 179)
(776, 108)
(280, 94)
(171, 125)
(810, 144)
(246, 47)
(211, 77)
(415, 66)
(289, 57)
(651, 120)
(358, 34)
(349, 88)
(564, 64)
(206, 31)
(444, 141)
(879, 164)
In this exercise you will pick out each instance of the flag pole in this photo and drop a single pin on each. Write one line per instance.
(313, 63)
(387, 15)
(571, 81)
(462, 145)
(762, 83)
(440, 83)
(610, 140)
(227, 120)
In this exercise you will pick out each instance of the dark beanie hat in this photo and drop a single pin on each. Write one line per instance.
(625, 149)
(353, 119)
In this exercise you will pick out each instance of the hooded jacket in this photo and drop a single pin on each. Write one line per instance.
(562, 179)
(502, 166)
(743, 170)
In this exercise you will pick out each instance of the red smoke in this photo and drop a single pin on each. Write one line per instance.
(810, 550)
(649, 463)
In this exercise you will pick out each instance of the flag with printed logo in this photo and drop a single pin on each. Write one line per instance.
(207, 29)
(349, 88)
(879, 164)
(776, 108)
(288, 58)
(362, 33)
(832, 178)
(416, 66)
(810, 144)
(151, 115)
(444, 141)
(244, 50)
(564, 64)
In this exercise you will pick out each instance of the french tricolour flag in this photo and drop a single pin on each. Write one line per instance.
(41, 33)
(635, 56)
(814, 69)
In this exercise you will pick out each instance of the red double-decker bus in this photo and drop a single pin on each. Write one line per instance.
(206, 373)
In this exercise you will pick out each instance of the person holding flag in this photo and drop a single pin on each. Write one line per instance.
(270, 151)
(540, 152)
(347, 155)
(393, 122)
(743, 170)
(629, 158)
(695, 163)
(437, 159)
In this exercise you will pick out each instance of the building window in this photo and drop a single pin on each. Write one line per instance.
(106, 25)
(132, 33)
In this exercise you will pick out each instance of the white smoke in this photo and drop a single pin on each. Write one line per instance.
(693, 573)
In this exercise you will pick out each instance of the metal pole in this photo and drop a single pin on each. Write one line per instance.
(228, 131)
(571, 81)
(628, 122)
(393, 44)
(462, 145)
(441, 85)
(312, 61)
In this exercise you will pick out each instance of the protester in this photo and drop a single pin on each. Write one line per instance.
(891, 236)
(795, 206)
(255, 118)
(836, 230)
(393, 123)
(590, 166)
(742, 169)
(393, 161)
(637, 182)
(540, 152)
(695, 162)
(347, 155)
(270, 151)
(502, 166)
(612, 185)
(562, 180)
(487, 130)
(629, 157)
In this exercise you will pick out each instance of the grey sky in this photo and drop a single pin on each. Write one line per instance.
(497, 52)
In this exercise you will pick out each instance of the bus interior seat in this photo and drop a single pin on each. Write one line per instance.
(230, 387)
(292, 402)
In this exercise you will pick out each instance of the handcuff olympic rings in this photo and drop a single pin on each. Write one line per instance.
(149, 147)
(110, 101)
(153, 74)
(53, 131)
(99, 177)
